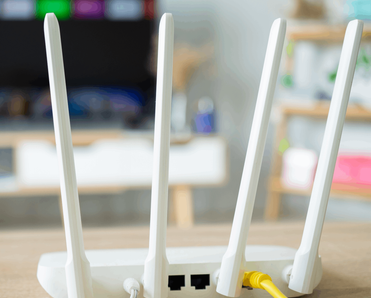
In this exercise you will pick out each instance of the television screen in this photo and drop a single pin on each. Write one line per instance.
(106, 49)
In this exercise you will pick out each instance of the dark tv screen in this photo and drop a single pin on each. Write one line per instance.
(95, 52)
(106, 65)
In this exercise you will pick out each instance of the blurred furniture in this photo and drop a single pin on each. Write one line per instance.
(317, 33)
(316, 111)
(344, 245)
(109, 161)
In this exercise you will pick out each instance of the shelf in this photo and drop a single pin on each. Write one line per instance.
(321, 109)
(79, 137)
(311, 32)
(52, 191)
(10, 188)
(187, 150)
(321, 32)
(10, 139)
(337, 190)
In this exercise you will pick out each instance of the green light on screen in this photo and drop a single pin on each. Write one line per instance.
(61, 8)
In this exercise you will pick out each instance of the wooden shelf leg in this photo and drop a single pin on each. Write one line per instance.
(171, 212)
(183, 206)
(272, 207)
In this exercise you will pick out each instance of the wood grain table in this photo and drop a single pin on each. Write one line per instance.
(345, 250)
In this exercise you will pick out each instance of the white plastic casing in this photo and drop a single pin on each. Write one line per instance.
(77, 266)
(304, 272)
(155, 277)
(233, 264)
(110, 268)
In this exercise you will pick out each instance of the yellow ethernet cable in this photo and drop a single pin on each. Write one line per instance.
(258, 280)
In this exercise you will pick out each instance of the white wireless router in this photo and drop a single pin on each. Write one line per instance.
(158, 272)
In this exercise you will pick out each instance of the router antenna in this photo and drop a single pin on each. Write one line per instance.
(233, 263)
(155, 280)
(303, 278)
(78, 276)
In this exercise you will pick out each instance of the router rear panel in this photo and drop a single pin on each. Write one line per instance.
(193, 271)
(110, 268)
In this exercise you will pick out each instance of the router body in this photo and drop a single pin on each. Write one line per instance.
(160, 272)
(110, 268)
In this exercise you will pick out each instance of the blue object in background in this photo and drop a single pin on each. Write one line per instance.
(90, 101)
(86, 102)
(124, 100)
(83, 102)
(358, 9)
(205, 123)
(204, 119)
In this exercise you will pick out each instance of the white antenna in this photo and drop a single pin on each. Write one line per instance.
(233, 263)
(78, 276)
(303, 279)
(155, 279)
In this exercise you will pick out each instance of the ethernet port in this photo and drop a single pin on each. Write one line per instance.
(200, 281)
(176, 282)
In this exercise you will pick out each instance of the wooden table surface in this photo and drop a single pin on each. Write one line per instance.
(345, 250)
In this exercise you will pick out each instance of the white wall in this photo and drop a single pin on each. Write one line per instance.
(239, 31)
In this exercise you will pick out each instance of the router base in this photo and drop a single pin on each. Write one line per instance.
(196, 267)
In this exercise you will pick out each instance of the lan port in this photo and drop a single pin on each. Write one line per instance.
(200, 281)
(176, 282)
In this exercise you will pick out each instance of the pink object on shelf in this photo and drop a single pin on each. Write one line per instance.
(353, 170)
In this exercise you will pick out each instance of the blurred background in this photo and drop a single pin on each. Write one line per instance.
(110, 50)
